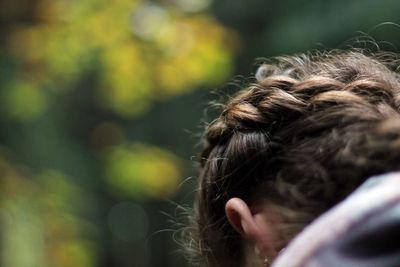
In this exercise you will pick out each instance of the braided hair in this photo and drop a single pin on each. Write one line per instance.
(303, 136)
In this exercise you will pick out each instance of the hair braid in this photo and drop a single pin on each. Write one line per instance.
(307, 133)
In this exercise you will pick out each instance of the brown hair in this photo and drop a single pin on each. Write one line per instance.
(304, 136)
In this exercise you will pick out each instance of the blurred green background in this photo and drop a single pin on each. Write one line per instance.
(102, 104)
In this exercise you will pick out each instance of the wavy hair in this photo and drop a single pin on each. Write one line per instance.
(303, 136)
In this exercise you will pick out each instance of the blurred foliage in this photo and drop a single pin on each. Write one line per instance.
(72, 74)
(137, 169)
(138, 51)
(98, 100)
(23, 101)
(41, 220)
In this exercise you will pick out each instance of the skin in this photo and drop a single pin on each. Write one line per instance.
(255, 223)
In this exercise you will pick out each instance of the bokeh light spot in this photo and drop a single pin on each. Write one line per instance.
(142, 170)
(24, 102)
(148, 19)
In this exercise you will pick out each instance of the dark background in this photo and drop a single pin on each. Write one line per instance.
(102, 104)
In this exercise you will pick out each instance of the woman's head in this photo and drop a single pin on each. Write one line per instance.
(291, 145)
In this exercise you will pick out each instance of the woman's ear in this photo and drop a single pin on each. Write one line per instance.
(253, 226)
